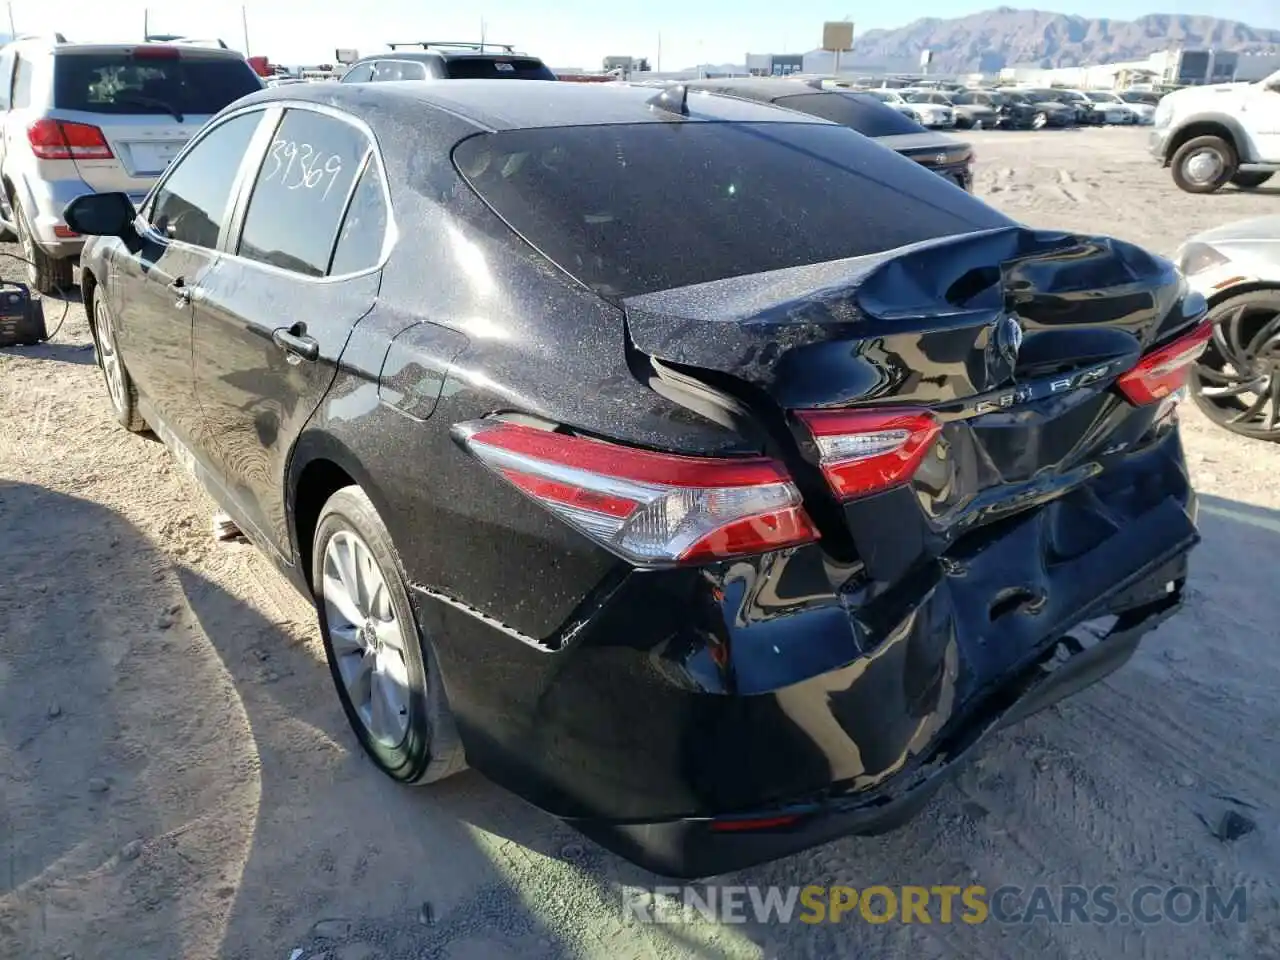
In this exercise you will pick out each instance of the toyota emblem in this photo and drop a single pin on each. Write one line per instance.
(940, 158)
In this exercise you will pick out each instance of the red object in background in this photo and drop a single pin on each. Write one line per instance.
(260, 66)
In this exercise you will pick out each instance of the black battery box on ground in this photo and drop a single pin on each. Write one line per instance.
(21, 315)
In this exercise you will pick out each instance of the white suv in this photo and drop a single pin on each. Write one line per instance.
(82, 118)
(1215, 135)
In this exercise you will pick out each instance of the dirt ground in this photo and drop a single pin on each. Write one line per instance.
(177, 779)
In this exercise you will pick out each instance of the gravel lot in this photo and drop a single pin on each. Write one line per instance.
(177, 780)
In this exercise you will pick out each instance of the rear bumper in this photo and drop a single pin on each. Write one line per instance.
(692, 849)
(45, 201)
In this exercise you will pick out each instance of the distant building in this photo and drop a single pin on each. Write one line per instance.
(823, 63)
(1174, 67)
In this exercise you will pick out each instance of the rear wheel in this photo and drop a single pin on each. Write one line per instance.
(45, 274)
(1236, 382)
(384, 670)
(1249, 179)
(1204, 165)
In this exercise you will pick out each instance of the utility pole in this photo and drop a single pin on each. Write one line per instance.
(146, 22)
(482, 34)
(244, 25)
(13, 31)
(658, 60)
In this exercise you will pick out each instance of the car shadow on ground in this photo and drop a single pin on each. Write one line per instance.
(160, 746)
(59, 352)
(175, 771)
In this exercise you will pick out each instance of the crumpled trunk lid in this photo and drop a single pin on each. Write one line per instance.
(1012, 337)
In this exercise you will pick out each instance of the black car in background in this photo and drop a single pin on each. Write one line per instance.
(699, 470)
(944, 155)
(447, 61)
(1038, 109)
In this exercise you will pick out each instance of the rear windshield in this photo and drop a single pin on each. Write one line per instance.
(635, 208)
(119, 83)
(500, 68)
(860, 112)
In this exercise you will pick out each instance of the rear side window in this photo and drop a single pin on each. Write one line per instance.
(155, 82)
(386, 70)
(867, 115)
(360, 73)
(635, 208)
(301, 192)
(365, 227)
(500, 68)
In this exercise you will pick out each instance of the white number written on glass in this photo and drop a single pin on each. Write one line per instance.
(300, 166)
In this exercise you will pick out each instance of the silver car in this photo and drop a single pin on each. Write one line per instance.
(82, 118)
(1237, 379)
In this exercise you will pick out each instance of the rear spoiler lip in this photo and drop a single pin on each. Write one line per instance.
(783, 330)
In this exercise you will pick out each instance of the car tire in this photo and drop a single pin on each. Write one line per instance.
(1236, 381)
(6, 209)
(1204, 165)
(45, 274)
(121, 393)
(1039, 121)
(404, 723)
(1250, 179)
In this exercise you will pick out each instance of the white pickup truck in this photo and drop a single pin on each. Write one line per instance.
(1214, 135)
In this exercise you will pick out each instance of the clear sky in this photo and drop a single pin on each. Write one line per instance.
(565, 33)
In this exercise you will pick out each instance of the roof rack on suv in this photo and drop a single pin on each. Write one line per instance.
(188, 41)
(456, 45)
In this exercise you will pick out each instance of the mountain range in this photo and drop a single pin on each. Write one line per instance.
(987, 41)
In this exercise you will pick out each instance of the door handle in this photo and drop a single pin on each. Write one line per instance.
(295, 342)
(181, 293)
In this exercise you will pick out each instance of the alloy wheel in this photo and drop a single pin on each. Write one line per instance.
(1236, 382)
(108, 357)
(367, 639)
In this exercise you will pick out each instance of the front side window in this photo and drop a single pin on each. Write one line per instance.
(399, 70)
(190, 206)
(301, 192)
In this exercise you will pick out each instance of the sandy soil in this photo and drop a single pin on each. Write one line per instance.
(177, 781)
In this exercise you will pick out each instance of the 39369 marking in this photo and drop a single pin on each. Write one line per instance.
(301, 166)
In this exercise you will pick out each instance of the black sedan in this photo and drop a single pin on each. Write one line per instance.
(1038, 110)
(942, 154)
(699, 470)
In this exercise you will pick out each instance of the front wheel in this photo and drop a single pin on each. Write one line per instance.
(120, 389)
(1249, 179)
(384, 669)
(1204, 165)
(1236, 381)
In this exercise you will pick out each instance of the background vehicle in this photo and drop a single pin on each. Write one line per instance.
(975, 110)
(1214, 135)
(862, 112)
(1087, 113)
(1142, 104)
(688, 424)
(1107, 107)
(932, 108)
(1038, 111)
(431, 60)
(1237, 380)
(97, 117)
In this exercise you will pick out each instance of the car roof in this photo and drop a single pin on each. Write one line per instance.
(447, 53)
(526, 104)
(53, 46)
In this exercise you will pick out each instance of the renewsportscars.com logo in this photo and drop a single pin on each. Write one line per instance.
(943, 904)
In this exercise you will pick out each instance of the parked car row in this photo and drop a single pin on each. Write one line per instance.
(1015, 107)
(704, 472)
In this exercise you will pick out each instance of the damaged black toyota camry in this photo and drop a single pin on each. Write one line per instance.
(705, 473)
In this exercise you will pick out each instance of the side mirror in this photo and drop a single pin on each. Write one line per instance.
(101, 215)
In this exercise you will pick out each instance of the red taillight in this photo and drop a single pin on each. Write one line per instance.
(864, 451)
(743, 825)
(156, 53)
(1164, 371)
(652, 509)
(63, 140)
